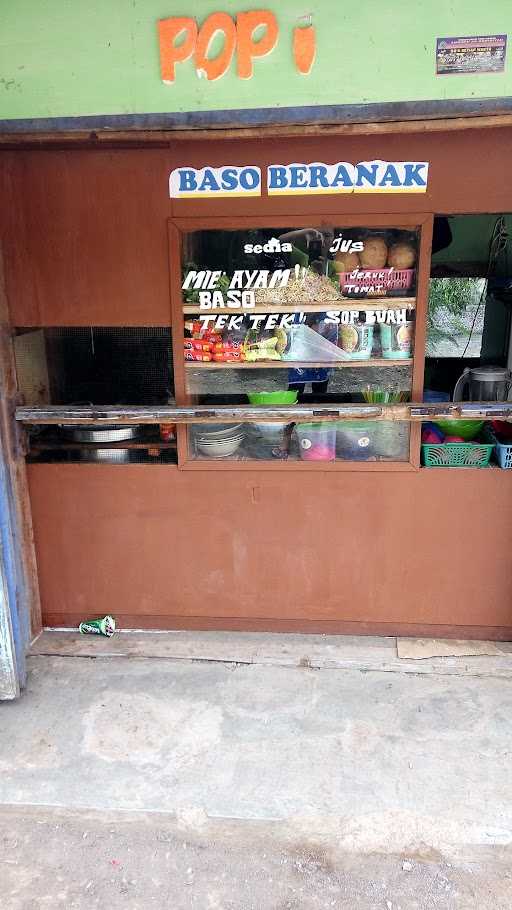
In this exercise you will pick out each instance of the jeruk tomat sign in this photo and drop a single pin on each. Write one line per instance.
(299, 179)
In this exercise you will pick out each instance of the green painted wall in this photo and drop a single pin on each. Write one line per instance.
(471, 238)
(81, 57)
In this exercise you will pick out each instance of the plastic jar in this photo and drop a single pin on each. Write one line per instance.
(356, 340)
(396, 341)
(317, 441)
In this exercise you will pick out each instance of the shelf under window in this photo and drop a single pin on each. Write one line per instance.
(296, 364)
(362, 304)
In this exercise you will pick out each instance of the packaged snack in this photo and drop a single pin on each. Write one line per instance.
(167, 430)
(201, 357)
(226, 346)
(192, 344)
(229, 357)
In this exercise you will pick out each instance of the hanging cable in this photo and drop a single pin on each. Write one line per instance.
(497, 245)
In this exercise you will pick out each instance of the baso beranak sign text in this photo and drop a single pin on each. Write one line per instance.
(300, 179)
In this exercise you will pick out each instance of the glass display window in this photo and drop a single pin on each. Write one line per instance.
(291, 314)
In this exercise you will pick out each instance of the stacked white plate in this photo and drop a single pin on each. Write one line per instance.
(219, 441)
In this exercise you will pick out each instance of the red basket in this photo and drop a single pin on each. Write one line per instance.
(375, 282)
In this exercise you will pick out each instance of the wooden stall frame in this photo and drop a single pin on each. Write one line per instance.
(179, 226)
(96, 135)
(49, 481)
(413, 412)
(11, 450)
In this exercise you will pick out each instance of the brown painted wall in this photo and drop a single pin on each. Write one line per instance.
(86, 239)
(85, 242)
(84, 231)
(166, 548)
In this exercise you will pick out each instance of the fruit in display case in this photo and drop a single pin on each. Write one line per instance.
(402, 255)
(374, 254)
(346, 262)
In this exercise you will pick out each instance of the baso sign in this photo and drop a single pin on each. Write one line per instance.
(300, 179)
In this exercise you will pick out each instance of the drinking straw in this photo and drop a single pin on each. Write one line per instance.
(383, 396)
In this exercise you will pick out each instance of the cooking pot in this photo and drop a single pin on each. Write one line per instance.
(101, 434)
(106, 434)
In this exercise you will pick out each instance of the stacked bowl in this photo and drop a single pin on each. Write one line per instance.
(219, 440)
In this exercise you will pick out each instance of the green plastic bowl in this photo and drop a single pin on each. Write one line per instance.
(466, 429)
(289, 397)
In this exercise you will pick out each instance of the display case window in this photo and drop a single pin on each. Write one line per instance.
(456, 316)
(307, 443)
(312, 314)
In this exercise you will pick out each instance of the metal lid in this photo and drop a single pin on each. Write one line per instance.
(490, 374)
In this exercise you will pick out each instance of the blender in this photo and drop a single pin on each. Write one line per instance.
(487, 383)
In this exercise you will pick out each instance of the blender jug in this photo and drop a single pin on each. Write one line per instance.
(483, 384)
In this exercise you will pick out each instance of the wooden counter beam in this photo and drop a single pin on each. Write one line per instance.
(405, 411)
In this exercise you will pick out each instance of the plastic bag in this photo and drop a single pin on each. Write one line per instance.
(308, 346)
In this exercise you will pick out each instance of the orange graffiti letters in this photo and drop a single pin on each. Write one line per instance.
(250, 34)
(215, 67)
(248, 46)
(170, 52)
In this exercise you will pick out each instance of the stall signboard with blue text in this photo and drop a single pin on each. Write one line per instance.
(300, 179)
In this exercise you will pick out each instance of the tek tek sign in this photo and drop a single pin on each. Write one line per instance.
(248, 35)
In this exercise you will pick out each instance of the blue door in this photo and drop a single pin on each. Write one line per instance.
(13, 629)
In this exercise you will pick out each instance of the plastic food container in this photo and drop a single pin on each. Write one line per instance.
(502, 450)
(504, 455)
(432, 395)
(355, 440)
(466, 429)
(284, 397)
(390, 439)
(317, 441)
(456, 455)
(356, 340)
(396, 341)
(363, 282)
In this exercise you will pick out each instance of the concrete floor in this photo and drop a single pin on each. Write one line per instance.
(152, 783)
(61, 859)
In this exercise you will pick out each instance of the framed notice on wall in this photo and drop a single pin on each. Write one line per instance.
(472, 54)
